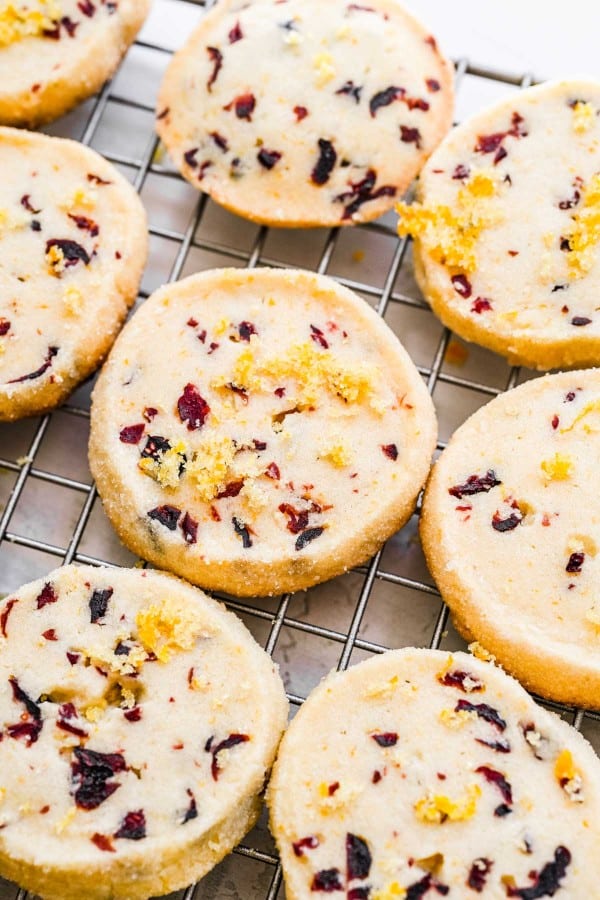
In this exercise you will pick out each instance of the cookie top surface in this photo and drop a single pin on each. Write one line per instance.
(511, 530)
(507, 228)
(121, 732)
(305, 113)
(447, 779)
(259, 430)
(54, 53)
(73, 245)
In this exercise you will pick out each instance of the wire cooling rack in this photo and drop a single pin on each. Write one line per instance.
(50, 513)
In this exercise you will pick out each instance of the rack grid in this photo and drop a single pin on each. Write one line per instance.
(43, 465)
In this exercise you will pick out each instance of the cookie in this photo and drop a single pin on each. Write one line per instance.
(139, 720)
(307, 113)
(56, 53)
(73, 245)
(259, 431)
(511, 532)
(507, 227)
(446, 780)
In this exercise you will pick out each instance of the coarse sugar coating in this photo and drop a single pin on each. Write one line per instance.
(257, 431)
(73, 244)
(511, 531)
(139, 721)
(305, 113)
(507, 226)
(421, 773)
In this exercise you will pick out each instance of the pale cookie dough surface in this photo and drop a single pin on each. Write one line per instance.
(421, 774)
(511, 532)
(73, 245)
(305, 113)
(56, 53)
(259, 431)
(139, 719)
(508, 227)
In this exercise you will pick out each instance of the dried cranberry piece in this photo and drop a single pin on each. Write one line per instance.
(236, 34)
(485, 712)
(87, 8)
(103, 842)
(498, 746)
(272, 471)
(325, 163)
(510, 522)
(457, 679)
(26, 203)
(579, 321)
(318, 337)
(231, 490)
(492, 143)
(410, 136)
(497, 778)
(481, 304)
(99, 604)
(242, 531)
(192, 810)
(149, 413)
(305, 843)
(362, 192)
(131, 434)
(190, 157)
(300, 112)
(351, 90)
(192, 408)
(134, 714)
(575, 563)
(189, 526)
(546, 882)
(155, 445)
(433, 85)
(166, 515)
(243, 106)
(386, 739)
(268, 158)
(133, 826)
(216, 57)
(311, 534)
(30, 727)
(359, 893)
(462, 286)
(246, 330)
(6, 613)
(47, 595)
(95, 179)
(422, 887)
(71, 250)
(85, 224)
(475, 484)
(90, 774)
(4, 326)
(391, 451)
(384, 98)
(573, 201)
(31, 376)
(297, 519)
(358, 857)
(73, 657)
(327, 880)
(461, 172)
(478, 874)
(232, 741)
(67, 711)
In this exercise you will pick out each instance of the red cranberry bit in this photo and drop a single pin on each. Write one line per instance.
(462, 286)
(325, 164)
(246, 330)
(189, 526)
(155, 445)
(555, 422)
(300, 112)
(268, 158)
(570, 396)
(95, 179)
(481, 304)
(131, 434)
(579, 321)
(166, 515)
(351, 90)
(87, 8)
(510, 522)
(133, 826)
(311, 534)
(575, 563)
(318, 337)
(192, 408)
(71, 250)
(272, 471)
(149, 413)
(6, 613)
(307, 843)
(214, 514)
(31, 722)
(190, 157)
(103, 842)
(410, 136)
(358, 857)
(492, 143)
(376, 778)
(359, 893)
(422, 887)
(457, 679)
(73, 657)
(416, 103)
(192, 810)
(475, 484)
(31, 376)
(232, 741)
(478, 874)
(386, 739)
(47, 595)
(67, 711)
(243, 106)
(236, 34)
(547, 881)
(259, 445)
(134, 714)
(498, 780)
(90, 774)
(231, 490)
(384, 98)
(362, 192)
(327, 880)
(85, 224)
(279, 392)
(497, 746)
(26, 203)
(99, 604)
(332, 788)
(220, 141)
(4, 326)
(391, 451)
(297, 519)
(49, 635)
(433, 85)
(216, 58)
(242, 532)
(483, 711)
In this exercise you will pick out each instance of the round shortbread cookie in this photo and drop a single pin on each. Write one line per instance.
(511, 530)
(305, 113)
(73, 245)
(421, 774)
(56, 53)
(507, 227)
(258, 431)
(139, 721)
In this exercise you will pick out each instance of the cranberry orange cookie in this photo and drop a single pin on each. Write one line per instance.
(72, 249)
(139, 720)
(305, 113)
(55, 53)
(507, 230)
(446, 780)
(259, 431)
(511, 532)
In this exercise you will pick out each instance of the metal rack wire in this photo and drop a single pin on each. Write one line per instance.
(273, 616)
